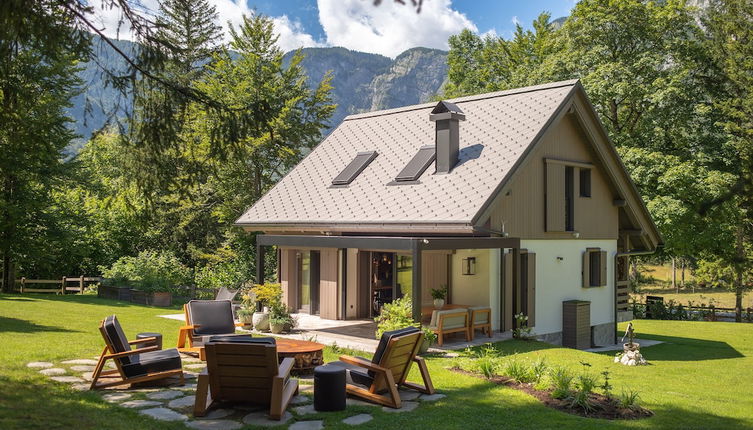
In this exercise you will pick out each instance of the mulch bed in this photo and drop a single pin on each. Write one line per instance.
(603, 407)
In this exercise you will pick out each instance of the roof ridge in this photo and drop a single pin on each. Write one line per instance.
(463, 99)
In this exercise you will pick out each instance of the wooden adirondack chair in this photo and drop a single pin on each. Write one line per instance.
(132, 366)
(206, 318)
(378, 380)
(245, 370)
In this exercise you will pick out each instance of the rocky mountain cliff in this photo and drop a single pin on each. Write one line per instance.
(362, 82)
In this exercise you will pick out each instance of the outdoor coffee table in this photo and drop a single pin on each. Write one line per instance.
(306, 354)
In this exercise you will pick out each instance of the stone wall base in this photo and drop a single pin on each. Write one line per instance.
(601, 335)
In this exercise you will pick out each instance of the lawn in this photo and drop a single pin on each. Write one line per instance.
(699, 378)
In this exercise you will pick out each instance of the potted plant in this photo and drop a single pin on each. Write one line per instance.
(439, 295)
(430, 338)
(279, 318)
(267, 295)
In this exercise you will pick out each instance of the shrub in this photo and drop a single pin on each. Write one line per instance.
(518, 371)
(562, 381)
(229, 274)
(394, 316)
(582, 396)
(268, 294)
(486, 360)
(151, 271)
(539, 369)
(629, 399)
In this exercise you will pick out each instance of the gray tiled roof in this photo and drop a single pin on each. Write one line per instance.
(498, 129)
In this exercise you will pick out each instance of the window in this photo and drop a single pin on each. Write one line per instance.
(569, 201)
(594, 268)
(352, 170)
(418, 164)
(585, 182)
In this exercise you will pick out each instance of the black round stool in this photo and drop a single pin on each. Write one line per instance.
(329, 388)
(157, 341)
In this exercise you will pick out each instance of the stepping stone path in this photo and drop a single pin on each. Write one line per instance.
(307, 425)
(82, 361)
(183, 402)
(53, 371)
(305, 410)
(135, 404)
(407, 407)
(116, 397)
(164, 414)
(214, 425)
(67, 379)
(164, 395)
(262, 419)
(358, 419)
(181, 398)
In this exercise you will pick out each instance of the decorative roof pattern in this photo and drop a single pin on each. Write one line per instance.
(499, 127)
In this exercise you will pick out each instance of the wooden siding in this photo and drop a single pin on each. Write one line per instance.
(433, 274)
(520, 209)
(328, 283)
(289, 277)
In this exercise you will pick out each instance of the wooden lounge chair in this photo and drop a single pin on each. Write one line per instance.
(480, 319)
(206, 318)
(245, 370)
(378, 380)
(450, 321)
(132, 365)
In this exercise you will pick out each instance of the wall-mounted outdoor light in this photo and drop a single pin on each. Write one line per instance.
(469, 266)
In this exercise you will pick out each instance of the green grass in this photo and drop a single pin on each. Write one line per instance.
(700, 378)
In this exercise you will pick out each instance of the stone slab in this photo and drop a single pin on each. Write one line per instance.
(80, 387)
(67, 379)
(53, 371)
(407, 395)
(305, 410)
(432, 397)
(216, 414)
(358, 419)
(214, 425)
(82, 368)
(39, 364)
(195, 366)
(164, 395)
(406, 407)
(300, 400)
(116, 397)
(182, 402)
(186, 387)
(163, 414)
(307, 425)
(82, 361)
(135, 404)
(357, 402)
(262, 419)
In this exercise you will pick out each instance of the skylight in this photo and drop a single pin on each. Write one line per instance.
(355, 167)
(417, 165)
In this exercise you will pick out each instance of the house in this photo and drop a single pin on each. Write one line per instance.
(515, 200)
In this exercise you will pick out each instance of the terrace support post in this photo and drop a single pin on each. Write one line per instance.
(259, 264)
(416, 281)
(516, 286)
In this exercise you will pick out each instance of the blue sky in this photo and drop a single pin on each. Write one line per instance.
(387, 29)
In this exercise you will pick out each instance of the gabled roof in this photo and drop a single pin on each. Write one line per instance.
(499, 130)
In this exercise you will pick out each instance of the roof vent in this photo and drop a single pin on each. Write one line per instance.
(447, 117)
(352, 170)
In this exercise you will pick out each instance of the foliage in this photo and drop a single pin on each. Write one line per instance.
(522, 331)
(585, 383)
(280, 315)
(214, 276)
(562, 382)
(628, 399)
(151, 271)
(429, 335)
(268, 294)
(439, 293)
(394, 316)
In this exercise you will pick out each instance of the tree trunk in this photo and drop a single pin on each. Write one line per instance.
(739, 267)
(8, 281)
(682, 273)
(674, 275)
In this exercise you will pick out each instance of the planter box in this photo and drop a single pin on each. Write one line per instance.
(114, 293)
(152, 299)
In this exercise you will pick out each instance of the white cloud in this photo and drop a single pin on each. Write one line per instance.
(291, 33)
(389, 28)
(515, 20)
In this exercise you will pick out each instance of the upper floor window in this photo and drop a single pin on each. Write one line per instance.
(563, 180)
(585, 182)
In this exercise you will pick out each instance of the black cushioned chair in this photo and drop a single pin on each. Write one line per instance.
(204, 319)
(378, 380)
(132, 365)
(245, 370)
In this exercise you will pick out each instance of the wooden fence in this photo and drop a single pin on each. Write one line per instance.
(711, 313)
(63, 285)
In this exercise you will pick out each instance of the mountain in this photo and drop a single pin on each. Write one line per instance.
(362, 82)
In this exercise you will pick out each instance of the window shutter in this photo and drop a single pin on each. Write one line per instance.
(555, 197)
(586, 269)
(531, 311)
(603, 268)
(507, 290)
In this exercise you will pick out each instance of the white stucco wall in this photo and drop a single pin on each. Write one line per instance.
(481, 289)
(560, 280)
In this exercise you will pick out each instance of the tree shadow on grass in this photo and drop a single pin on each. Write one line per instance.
(15, 325)
(688, 349)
